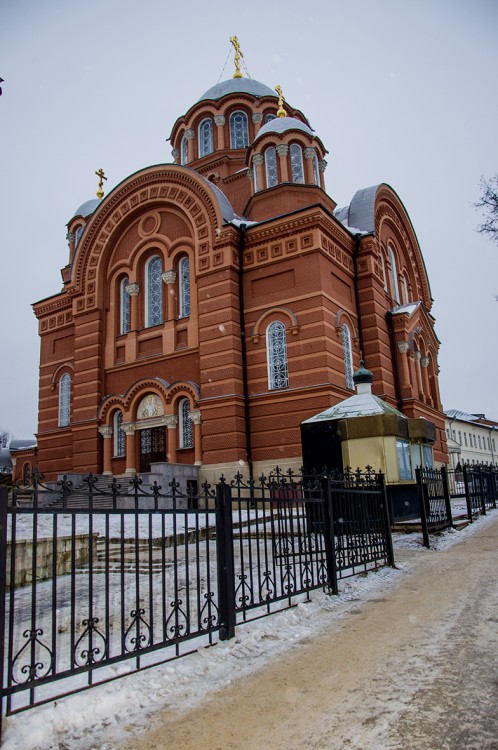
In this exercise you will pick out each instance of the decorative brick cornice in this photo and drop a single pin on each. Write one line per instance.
(171, 184)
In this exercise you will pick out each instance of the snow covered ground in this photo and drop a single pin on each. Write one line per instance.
(105, 715)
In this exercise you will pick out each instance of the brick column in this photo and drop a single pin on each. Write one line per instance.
(322, 166)
(416, 358)
(282, 151)
(195, 416)
(403, 348)
(257, 162)
(220, 125)
(189, 135)
(257, 119)
(129, 430)
(106, 432)
(171, 421)
(131, 340)
(309, 155)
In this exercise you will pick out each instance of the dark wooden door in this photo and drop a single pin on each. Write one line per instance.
(152, 447)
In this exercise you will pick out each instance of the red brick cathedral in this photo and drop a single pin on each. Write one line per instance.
(212, 304)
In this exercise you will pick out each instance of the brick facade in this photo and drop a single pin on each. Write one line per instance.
(258, 253)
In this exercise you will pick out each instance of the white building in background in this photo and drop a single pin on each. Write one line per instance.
(471, 438)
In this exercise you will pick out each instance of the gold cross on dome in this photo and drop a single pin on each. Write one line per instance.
(281, 99)
(237, 56)
(100, 174)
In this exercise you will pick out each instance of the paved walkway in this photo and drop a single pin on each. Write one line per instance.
(414, 668)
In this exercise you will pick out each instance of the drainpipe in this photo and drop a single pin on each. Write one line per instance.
(397, 388)
(247, 420)
(356, 294)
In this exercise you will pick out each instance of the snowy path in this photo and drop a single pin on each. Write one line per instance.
(403, 659)
(414, 667)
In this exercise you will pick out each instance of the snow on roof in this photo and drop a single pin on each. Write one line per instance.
(407, 309)
(359, 405)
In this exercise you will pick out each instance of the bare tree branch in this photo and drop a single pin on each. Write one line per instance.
(488, 204)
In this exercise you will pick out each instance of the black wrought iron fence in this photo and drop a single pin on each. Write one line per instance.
(434, 497)
(360, 524)
(87, 583)
(282, 551)
(107, 571)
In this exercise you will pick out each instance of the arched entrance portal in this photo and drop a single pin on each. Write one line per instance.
(152, 444)
(152, 447)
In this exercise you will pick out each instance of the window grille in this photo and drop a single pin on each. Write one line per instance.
(125, 307)
(119, 435)
(184, 151)
(296, 154)
(239, 133)
(65, 400)
(394, 274)
(348, 356)
(205, 137)
(271, 167)
(276, 346)
(184, 276)
(154, 293)
(186, 436)
(316, 170)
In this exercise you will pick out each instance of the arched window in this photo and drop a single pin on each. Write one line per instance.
(269, 117)
(405, 289)
(394, 274)
(184, 287)
(239, 133)
(153, 292)
(316, 170)
(186, 439)
(184, 151)
(77, 235)
(65, 400)
(276, 348)
(348, 356)
(205, 137)
(271, 166)
(124, 307)
(296, 154)
(119, 435)
(383, 264)
(255, 176)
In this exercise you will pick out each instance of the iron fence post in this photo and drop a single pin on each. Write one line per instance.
(4, 498)
(226, 567)
(387, 520)
(423, 509)
(446, 493)
(467, 493)
(481, 490)
(329, 536)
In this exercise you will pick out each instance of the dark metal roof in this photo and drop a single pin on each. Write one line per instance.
(238, 86)
(87, 208)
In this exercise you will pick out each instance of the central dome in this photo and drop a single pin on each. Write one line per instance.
(238, 86)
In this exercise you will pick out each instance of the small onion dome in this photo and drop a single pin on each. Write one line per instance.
(282, 125)
(362, 375)
(87, 208)
(237, 86)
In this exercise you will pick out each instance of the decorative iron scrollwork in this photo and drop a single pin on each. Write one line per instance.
(243, 592)
(34, 669)
(135, 637)
(177, 622)
(209, 614)
(91, 653)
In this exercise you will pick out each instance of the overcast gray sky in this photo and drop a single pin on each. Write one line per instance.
(403, 93)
